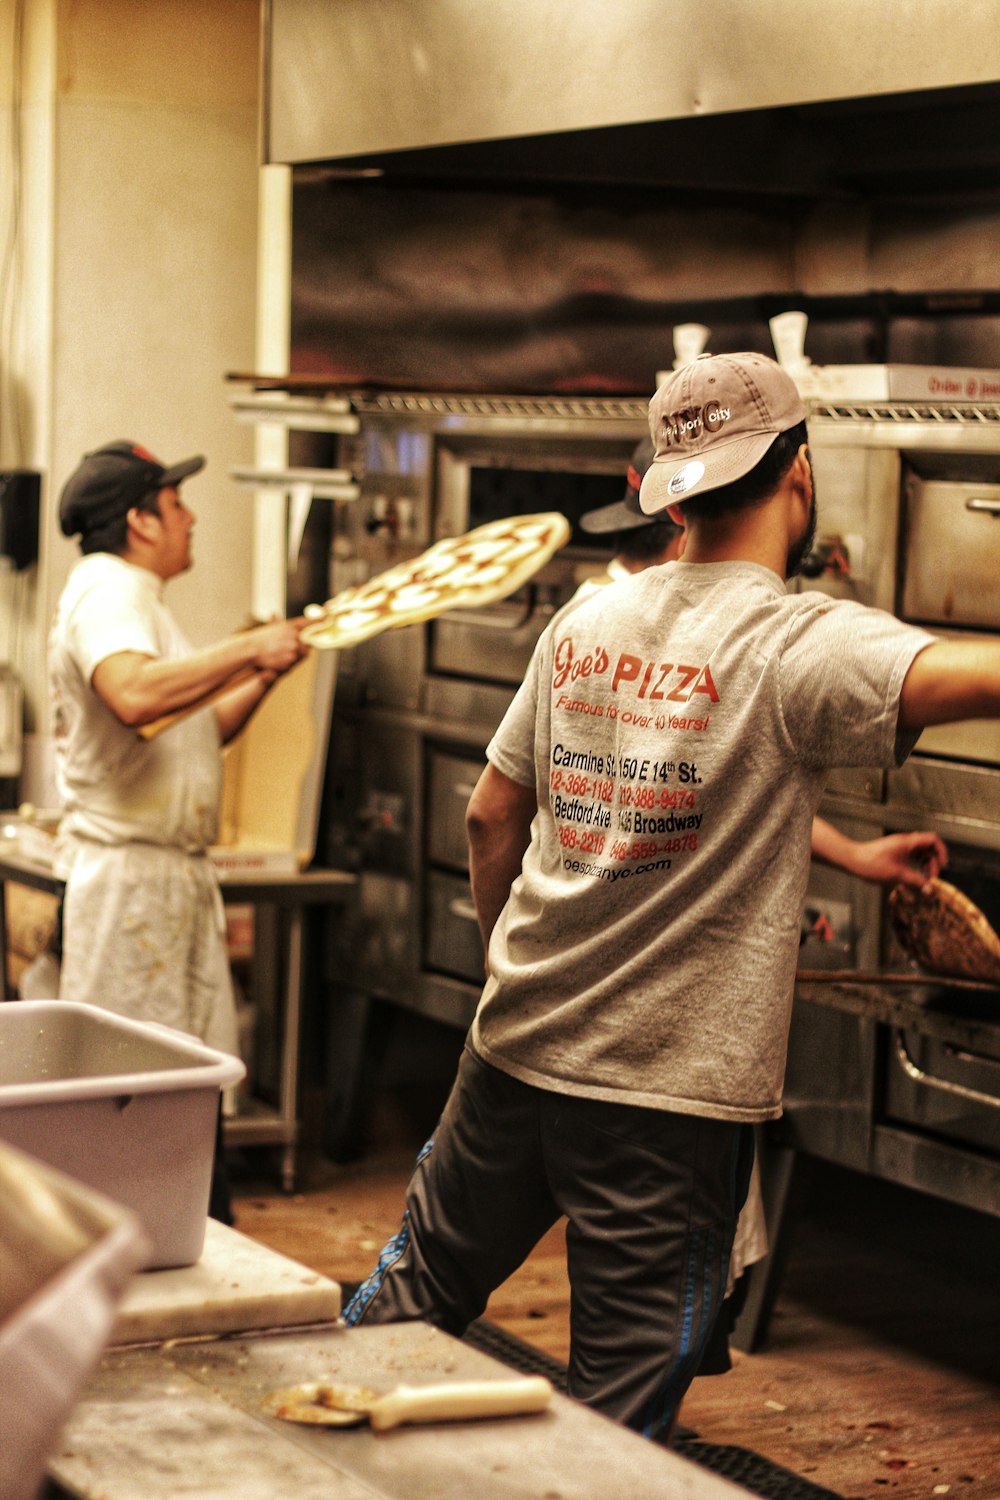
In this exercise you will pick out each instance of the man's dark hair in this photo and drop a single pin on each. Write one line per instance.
(644, 544)
(113, 535)
(755, 486)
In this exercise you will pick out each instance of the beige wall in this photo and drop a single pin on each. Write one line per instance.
(139, 278)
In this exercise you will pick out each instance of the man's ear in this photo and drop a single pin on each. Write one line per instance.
(802, 470)
(676, 514)
(142, 523)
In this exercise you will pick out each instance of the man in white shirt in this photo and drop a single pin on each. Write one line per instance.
(143, 930)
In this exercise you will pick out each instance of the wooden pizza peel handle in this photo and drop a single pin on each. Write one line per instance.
(150, 731)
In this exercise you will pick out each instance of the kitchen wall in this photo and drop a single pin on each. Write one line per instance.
(132, 209)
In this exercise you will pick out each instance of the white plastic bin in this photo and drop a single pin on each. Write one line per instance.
(66, 1258)
(126, 1107)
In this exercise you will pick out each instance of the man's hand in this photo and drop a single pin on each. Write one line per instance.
(901, 858)
(907, 858)
(277, 646)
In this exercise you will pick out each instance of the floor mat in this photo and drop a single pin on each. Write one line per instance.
(757, 1475)
(739, 1465)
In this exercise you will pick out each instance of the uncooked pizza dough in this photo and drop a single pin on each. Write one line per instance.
(462, 572)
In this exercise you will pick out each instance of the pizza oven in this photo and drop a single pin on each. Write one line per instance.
(909, 498)
(415, 708)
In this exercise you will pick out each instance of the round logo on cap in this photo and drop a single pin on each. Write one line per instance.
(686, 478)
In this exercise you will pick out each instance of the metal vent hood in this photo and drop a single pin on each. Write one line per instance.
(445, 82)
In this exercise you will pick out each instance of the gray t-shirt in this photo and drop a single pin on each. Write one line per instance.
(678, 729)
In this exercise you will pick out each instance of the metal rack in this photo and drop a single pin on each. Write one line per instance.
(259, 1123)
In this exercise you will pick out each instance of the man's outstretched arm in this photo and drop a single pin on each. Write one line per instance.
(949, 681)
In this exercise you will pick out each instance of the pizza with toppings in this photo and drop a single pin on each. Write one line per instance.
(462, 572)
(945, 932)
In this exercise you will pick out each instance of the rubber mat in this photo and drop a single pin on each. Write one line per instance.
(757, 1475)
(740, 1466)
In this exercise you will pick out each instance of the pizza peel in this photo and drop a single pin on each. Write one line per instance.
(466, 572)
(317, 1404)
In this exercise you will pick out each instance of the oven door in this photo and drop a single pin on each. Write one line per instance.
(950, 553)
(949, 1088)
(489, 478)
(492, 644)
(481, 479)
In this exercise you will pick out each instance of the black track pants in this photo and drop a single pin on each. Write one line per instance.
(651, 1200)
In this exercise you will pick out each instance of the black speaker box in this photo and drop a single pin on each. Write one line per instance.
(19, 492)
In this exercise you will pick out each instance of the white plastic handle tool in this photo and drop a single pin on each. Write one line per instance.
(460, 1400)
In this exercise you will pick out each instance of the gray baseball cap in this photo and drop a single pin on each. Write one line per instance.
(712, 421)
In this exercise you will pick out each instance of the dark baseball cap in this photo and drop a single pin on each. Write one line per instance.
(624, 514)
(109, 481)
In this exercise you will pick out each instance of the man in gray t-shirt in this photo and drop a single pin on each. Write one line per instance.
(639, 849)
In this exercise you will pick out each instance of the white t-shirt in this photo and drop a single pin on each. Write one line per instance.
(115, 786)
(678, 729)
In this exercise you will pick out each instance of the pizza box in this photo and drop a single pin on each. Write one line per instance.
(273, 775)
(923, 384)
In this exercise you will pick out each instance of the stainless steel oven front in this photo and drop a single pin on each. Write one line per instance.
(909, 502)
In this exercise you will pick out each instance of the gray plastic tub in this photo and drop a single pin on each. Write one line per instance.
(126, 1107)
(67, 1256)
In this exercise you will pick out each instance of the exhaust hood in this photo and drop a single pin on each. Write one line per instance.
(793, 96)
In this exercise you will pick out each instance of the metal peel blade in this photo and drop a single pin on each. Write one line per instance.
(316, 1404)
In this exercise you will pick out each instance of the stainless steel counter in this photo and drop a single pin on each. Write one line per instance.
(285, 896)
(165, 1422)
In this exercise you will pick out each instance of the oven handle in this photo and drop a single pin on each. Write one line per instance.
(986, 507)
(912, 1070)
(504, 615)
(463, 907)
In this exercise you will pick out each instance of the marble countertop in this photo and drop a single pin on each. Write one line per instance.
(189, 1419)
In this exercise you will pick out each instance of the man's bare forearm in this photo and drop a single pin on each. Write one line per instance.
(498, 823)
(950, 681)
(140, 689)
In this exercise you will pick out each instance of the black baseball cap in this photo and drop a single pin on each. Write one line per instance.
(109, 481)
(624, 514)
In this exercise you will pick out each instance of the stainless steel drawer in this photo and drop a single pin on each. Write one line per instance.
(941, 1088)
(952, 552)
(453, 942)
(451, 779)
